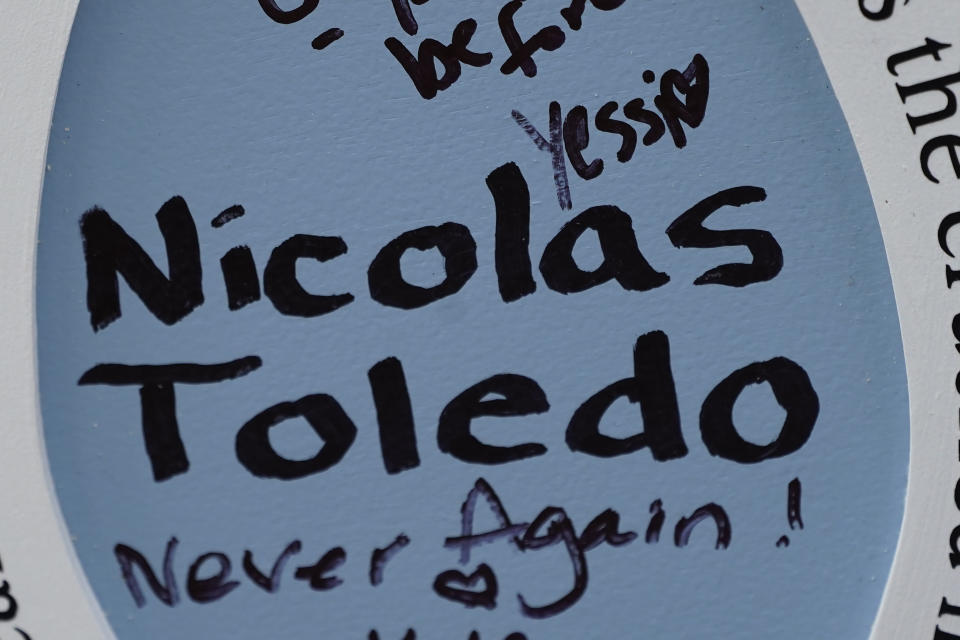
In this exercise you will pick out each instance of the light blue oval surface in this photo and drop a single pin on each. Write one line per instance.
(221, 105)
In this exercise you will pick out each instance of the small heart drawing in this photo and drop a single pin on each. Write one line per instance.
(445, 587)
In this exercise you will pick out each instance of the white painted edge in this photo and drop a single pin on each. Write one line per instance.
(909, 207)
(44, 576)
(40, 565)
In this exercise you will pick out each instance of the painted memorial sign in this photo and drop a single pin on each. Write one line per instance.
(445, 320)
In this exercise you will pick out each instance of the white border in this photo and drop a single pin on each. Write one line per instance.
(42, 571)
(855, 52)
(41, 568)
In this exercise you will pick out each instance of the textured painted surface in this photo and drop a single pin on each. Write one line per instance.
(228, 107)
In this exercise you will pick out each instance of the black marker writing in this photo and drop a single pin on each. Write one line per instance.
(570, 133)
(326, 38)
(466, 589)
(161, 432)
(270, 583)
(380, 557)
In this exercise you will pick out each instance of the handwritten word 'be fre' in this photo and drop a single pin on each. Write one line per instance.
(422, 69)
